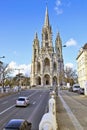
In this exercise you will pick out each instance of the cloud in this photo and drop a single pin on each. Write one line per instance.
(71, 42)
(25, 69)
(58, 7)
(70, 65)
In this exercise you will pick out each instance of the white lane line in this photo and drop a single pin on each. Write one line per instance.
(7, 109)
(34, 102)
(5, 102)
(32, 94)
(75, 122)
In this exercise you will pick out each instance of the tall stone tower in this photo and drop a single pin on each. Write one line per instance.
(47, 61)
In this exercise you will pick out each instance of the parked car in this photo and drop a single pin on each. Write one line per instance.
(81, 91)
(18, 124)
(22, 101)
(76, 87)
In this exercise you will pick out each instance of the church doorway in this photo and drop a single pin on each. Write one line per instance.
(38, 80)
(47, 82)
(47, 79)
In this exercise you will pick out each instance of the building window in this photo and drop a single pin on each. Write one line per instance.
(46, 44)
(46, 36)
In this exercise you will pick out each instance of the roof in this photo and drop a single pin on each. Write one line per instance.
(82, 50)
(22, 97)
(14, 123)
(85, 46)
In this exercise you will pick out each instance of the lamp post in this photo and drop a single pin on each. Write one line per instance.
(1, 72)
(2, 57)
(19, 83)
(64, 46)
(60, 70)
(1, 63)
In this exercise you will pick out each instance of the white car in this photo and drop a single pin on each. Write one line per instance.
(22, 101)
(76, 87)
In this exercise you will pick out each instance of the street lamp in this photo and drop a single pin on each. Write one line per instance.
(19, 84)
(60, 73)
(64, 46)
(1, 63)
(0, 58)
(1, 72)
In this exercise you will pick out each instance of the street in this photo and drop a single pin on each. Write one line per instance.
(72, 111)
(33, 112)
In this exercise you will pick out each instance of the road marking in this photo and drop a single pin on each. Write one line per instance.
(75, 122)
(34, 102)
(32, 94)
(7, 109)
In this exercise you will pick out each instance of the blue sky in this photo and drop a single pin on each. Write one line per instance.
(20, 19)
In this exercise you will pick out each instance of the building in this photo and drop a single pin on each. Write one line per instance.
(82, 66)
(47, 66)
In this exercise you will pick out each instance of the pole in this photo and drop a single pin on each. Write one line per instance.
(19, 83)
(1, 72)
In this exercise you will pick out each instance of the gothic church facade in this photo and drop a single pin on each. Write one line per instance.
(47, 65)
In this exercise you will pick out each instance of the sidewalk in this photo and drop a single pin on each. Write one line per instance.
(63, 120)
(6, 94)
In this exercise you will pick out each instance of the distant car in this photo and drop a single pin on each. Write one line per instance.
(81, 91)
(76, 87)
(18, 124)
(22, 101)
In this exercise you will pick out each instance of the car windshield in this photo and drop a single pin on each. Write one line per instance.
(21, 99)
(11, 129)
(76, 86)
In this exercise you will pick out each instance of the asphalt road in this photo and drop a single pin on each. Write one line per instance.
(71, 111)
(33, 112)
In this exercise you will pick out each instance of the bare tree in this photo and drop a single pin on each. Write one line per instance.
(4, 73)
(70, 76)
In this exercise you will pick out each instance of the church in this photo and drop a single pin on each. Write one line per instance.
(47, 67)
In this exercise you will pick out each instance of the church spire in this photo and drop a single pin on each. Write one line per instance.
(36, 36)
(46, 22)
(58, 45)
(58, 38)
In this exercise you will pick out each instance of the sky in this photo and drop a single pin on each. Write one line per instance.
(21, 19)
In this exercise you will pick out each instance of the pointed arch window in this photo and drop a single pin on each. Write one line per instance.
(35, 51)
(55, 66)
(46, 35)
(46, 44)
(38, 67)
(46, 65)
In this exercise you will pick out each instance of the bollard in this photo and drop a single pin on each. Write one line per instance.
(48, 122)
(52, 106)
(52, 93)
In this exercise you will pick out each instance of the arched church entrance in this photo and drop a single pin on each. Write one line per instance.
(47, 79)
(38, 80)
